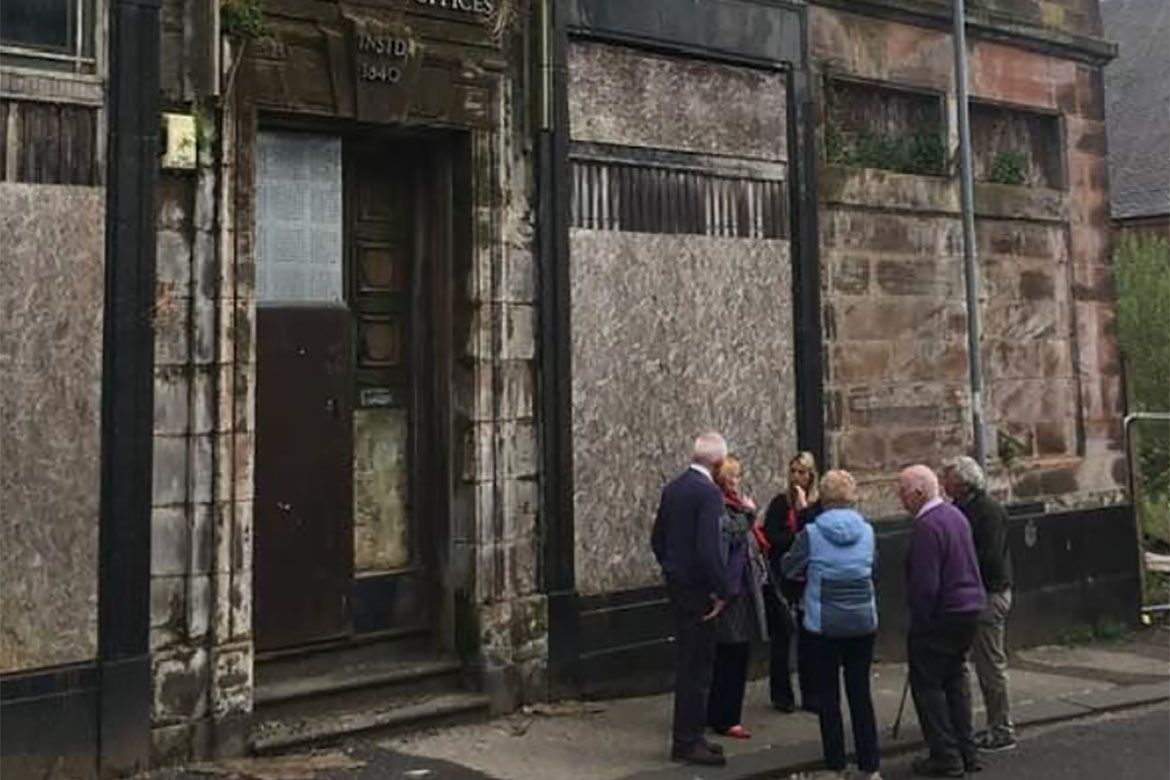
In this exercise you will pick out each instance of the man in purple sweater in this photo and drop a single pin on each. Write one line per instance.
(946, 597)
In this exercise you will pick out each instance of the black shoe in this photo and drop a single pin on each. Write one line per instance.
(714, 747)
(996, 743)
(698, 754)
(933, 767)
(811, 706)
(972, 764)
(784, 706)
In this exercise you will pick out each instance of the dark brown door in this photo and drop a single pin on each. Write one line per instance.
(303, 504)
(389, 281)
(304, 482)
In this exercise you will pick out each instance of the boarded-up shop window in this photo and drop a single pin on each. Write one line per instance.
(680, 287)
(1011, 146)
(299, 219)
(869, 125)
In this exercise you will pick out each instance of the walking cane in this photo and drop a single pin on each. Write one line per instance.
(901, 707)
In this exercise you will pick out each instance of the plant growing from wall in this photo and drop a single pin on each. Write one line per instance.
(921, 152)
(1009, 167)
(242, 20)
(507, 16)
(1010, 448)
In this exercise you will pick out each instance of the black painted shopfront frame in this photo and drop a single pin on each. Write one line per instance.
(585, 645)
(93, 718)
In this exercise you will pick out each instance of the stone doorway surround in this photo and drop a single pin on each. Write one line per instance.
(201, 590)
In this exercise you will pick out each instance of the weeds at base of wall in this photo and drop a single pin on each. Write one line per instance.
(1103, 631)
(1156, 589)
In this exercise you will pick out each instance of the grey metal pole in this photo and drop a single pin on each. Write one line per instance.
(970, 261)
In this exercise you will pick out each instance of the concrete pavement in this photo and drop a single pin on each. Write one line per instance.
(628, 738)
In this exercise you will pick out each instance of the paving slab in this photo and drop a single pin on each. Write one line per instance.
(1038, 713)
(1124, 664)
(1129, 696)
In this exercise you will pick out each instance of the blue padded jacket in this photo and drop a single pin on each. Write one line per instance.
(836, 556)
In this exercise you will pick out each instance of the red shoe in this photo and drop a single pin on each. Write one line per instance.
(739, 732)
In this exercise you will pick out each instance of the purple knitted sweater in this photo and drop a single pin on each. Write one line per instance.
(942, 570)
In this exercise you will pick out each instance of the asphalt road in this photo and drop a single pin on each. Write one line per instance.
(1133, 745)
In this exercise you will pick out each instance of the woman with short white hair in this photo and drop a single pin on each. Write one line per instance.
(836, 556)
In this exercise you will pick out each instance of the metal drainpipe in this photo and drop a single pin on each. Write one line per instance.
(970, 261)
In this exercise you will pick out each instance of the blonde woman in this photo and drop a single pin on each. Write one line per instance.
(742, 619)
(787, 514)
(835, 556)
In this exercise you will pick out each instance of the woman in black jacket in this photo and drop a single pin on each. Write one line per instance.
(787, 514)
(742, 620)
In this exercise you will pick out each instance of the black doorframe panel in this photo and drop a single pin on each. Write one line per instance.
(717, 31)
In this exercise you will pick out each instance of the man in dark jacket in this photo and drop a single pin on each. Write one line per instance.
(946, 597)
(686, 542)
(966, 484)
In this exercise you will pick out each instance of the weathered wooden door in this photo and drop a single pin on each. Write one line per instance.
(388, 252)
(303, 506)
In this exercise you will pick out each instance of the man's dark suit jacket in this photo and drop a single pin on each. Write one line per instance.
(686, 534)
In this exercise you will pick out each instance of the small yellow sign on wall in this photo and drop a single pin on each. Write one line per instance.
(179, 150)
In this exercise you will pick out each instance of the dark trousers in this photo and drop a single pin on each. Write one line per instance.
(695, 640)
(854, 657)
(941, 687)
(780, 631)
(725, 704)
(807, 660)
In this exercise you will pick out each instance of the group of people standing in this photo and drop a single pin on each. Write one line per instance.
(802, 574)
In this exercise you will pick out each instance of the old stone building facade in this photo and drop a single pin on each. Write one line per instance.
(443, 288)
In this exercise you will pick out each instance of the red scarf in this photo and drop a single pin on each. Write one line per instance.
(732, 501)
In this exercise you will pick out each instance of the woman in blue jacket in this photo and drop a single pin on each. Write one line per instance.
(836, 557)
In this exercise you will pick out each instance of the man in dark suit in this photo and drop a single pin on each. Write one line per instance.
(686, 543)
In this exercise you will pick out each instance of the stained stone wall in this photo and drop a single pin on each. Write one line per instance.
(201, 525)
(895, 313)
(51, 297)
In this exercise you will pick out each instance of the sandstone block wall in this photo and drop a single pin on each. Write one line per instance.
(894, 305)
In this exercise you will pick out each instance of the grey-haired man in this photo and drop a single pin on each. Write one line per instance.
(966, 484)
(687, 545)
